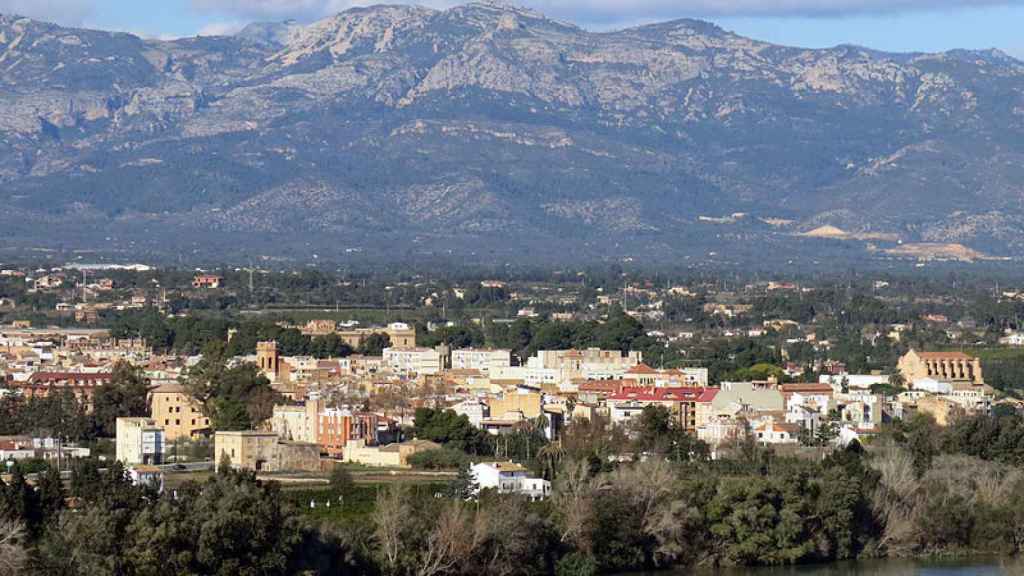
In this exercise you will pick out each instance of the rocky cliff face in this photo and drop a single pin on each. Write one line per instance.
(489, 126)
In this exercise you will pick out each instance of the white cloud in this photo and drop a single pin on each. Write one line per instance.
(65, 12)
(612, 10)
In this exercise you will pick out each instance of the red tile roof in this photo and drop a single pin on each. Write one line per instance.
(641, 369)
(806, 388)
(645, 394)
(602, 386)
(945, 355)
(43, 378)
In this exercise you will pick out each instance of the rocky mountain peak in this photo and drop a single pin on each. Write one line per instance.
(493, 125)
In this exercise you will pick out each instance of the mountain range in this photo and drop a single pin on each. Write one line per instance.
(489, 131)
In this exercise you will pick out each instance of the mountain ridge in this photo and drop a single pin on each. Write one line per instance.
(410, 129)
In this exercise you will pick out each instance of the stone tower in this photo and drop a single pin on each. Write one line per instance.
(268, 359)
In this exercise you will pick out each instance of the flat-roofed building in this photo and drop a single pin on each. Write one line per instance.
(173, 409)
(139, 441)
(481, 359)
(407, 361)
(264, 452)
(82, 384)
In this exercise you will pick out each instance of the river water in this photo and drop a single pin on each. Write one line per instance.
(977, 567)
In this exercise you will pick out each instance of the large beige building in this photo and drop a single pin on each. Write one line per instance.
(423, 361)
(942, 366)
(481, 359)
(297, 422)
(390, 456)
(402, 335)
(176, 412)
(264, 452)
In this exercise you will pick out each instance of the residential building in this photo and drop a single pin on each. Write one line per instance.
(815, 396)
(389, 456)
(407, 361)
(746, 397)
(339, 426)
(297, 422)
(207, 281)
(853, 381)
(690, 407)
(768, 431)
(509, 478)
(474, 409)
(862, 410)
(82, 384)
(139, 441)
(481, 359)
(1013, 339)
(176, 412)
(151, 476)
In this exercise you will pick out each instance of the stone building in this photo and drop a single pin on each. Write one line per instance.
(265, 452)
(402, 335)
(943, 366)
(268, 359)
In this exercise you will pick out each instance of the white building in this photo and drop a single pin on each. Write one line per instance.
(297, 423)
(771, 432)
(483, 360)
(139, 441)
(933, 386)
(408, 361)
(509, 478)
(861, 410)
(1014, 339)
(805, 416)
(853, 381)
(473, 409)
(147, 476)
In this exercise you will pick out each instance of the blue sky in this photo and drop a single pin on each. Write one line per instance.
(896, 25)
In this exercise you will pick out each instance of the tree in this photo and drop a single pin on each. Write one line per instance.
(125, 396)
(374, 344)
(341, 480)
(13, 556)
(464, 486)
(576, 564)
(329, 346)
(51, 493)
(390, 518)
(453, 430)
(236, 398)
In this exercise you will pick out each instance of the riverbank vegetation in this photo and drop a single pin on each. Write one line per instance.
(915, 490)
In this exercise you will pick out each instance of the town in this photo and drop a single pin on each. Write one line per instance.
(483, 388)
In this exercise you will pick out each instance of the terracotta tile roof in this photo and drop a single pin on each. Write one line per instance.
(665, 395)
(945, 356)
(43, 378)
(641, 369)
(806, 388)
(602, 386)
